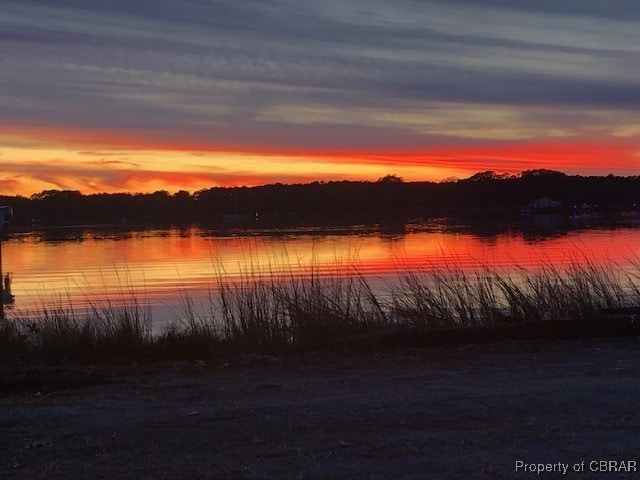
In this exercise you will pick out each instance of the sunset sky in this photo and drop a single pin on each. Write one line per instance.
(114, 96)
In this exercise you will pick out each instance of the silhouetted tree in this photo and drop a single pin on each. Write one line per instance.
(388, 198)
(390, 179)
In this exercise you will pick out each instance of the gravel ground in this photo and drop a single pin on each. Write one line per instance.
(459, 412)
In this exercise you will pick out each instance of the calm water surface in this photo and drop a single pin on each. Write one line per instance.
(77, 267)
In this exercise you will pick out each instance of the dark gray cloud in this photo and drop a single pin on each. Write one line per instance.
(620, 9)
(220, 67)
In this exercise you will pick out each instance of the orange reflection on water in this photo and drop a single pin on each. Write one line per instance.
(157, 266)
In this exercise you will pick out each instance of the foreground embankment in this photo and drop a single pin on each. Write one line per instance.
(479, 411)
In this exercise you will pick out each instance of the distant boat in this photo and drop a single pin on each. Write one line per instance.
(543, 205)
(237, 217)
(585, 208)
(234, 218)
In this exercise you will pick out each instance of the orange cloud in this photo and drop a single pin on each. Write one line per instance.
(140, 161)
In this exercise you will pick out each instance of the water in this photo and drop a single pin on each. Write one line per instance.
(74, 268)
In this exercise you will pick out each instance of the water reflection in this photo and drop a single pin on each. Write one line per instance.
(546, 222)
(85, 265)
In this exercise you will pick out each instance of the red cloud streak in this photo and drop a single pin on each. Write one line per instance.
(587, 156)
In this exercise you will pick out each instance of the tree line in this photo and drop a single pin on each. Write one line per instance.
(389, 197)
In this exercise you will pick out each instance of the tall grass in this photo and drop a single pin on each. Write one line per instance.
(297, 312)
(61, 336)
(285, 312)
(453, 297)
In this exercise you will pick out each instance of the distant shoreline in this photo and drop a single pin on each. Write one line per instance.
(336, 201)
(485, 221)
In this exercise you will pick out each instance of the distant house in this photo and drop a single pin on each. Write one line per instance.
(543, 205)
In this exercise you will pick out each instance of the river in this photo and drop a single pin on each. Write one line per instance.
(72, 268)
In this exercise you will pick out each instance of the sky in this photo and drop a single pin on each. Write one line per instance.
(115, 96)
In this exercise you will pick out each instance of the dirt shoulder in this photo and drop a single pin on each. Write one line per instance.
(456, 412)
